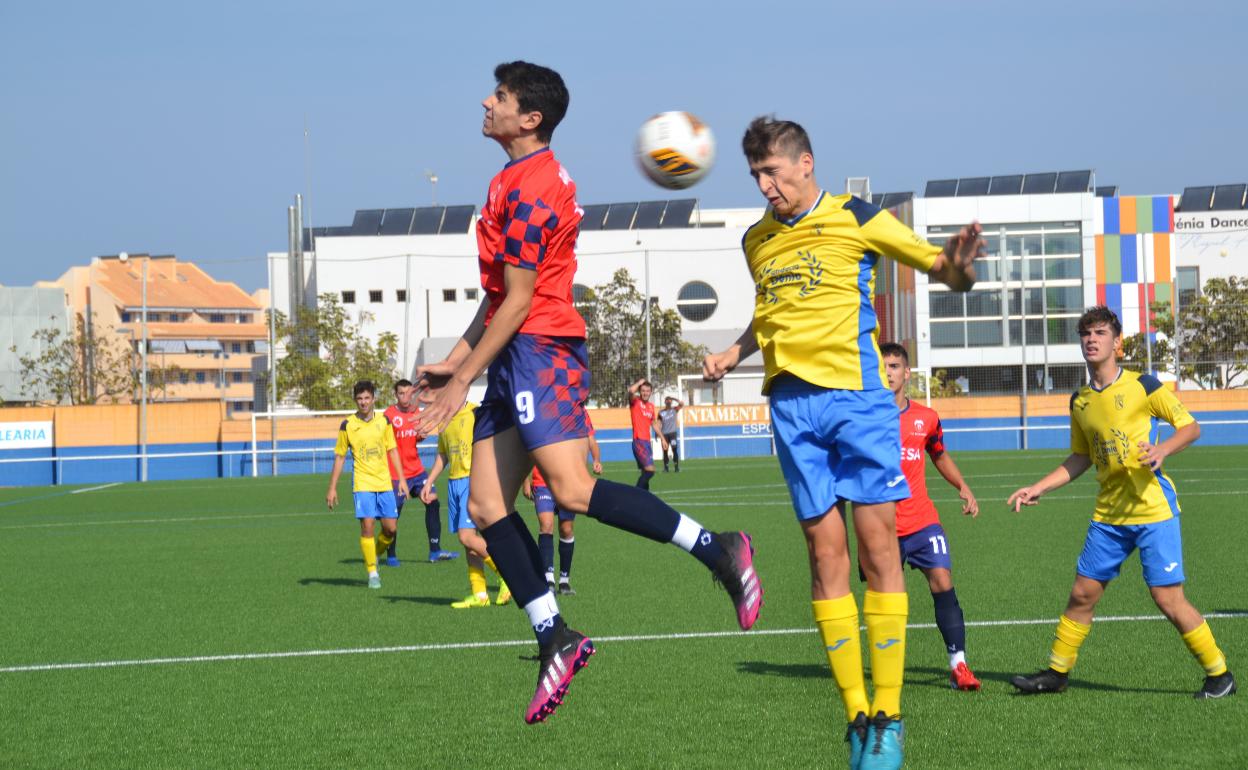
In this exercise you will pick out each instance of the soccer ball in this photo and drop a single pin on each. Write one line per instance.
(675, 149)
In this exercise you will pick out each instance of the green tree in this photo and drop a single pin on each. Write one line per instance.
(326, 353)
(79, 368)
(615, 320)
(1210, 333)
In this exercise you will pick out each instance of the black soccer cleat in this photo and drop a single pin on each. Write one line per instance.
(1218, 686)
(1047, 680)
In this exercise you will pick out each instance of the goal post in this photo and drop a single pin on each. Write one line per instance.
(296, 438)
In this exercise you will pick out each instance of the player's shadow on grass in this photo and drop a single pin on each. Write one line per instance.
(345, 582)
(927, 676)
(436, 601)
(788, 670)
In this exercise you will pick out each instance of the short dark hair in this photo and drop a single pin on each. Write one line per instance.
(363, 386)
(1097, 315)
(402, 384)
(894, 349)
(537, 89)
(646, 384)
(768, 136)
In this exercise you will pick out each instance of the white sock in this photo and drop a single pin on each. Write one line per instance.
(687, 532)
(541, 610)
(955, 658)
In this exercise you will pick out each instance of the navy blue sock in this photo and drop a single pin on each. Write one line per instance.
(566, 547)
(643, 481)
(511, 546)
(949, 620)
(546, 547)
(637, 511)
(390, 550)
(433, 525)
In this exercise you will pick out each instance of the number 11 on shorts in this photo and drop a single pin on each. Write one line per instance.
(938, 544)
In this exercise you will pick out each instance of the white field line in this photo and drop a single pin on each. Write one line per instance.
(92, 489)
(528, 642)
(174, 519)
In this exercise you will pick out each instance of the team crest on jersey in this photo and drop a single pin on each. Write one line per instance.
(918, 425)
(397, 421)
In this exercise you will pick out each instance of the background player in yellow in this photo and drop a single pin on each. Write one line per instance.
(371, 440)
(1136, 507)
(812, 257)
(455, 455)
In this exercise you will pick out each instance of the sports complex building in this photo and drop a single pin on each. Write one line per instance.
(1005, 355)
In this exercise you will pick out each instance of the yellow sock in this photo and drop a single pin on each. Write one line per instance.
(1066, 642)
(886, 633)
(490, 563)
(837, 620)
(476, 579)
(1201, 644)
(383, 543)
(369, 548)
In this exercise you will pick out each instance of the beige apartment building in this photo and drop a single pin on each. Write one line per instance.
(207, 331)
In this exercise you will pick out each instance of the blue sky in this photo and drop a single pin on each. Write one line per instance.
(179, 128)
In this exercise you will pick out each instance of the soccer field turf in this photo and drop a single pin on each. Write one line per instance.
(226, 623)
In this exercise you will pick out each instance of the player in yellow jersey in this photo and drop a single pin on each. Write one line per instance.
(813, 257)
(1111, 420)
(455, 455)
(370, 439)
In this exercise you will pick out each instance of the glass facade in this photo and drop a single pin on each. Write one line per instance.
(1031, 272)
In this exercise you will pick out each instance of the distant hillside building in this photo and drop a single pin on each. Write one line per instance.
(25, 311)
(209, 330)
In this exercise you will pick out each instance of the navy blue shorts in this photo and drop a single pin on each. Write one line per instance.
(926, 548)
(415, 482)
(544, 502)
(643, 453)
(537, 385)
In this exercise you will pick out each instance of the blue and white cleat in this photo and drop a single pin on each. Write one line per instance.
(392, 561)
(882, 750)
(856, 737)
(437, 556)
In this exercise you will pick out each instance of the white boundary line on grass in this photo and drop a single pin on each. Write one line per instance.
(93, 489)
(528, 642)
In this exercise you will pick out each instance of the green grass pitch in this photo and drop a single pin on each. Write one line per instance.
(188, 572)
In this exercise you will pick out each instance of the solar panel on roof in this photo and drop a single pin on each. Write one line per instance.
(1011, 184)
(1107, 191)
(1228, 197)
(649, 215)
(941, 188)
(593, 216)
(619, 216)
(457, 219)
(367, 221)
(1196, 199)
(1040, 184)
(1074, 182)
(974, 185)
(427, 220)
(396, 222)
(890, 200)
(679, 213)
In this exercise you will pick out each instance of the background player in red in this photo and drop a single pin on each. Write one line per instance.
(532, 340)
(402, 416)
(645, 421)
(923, 542)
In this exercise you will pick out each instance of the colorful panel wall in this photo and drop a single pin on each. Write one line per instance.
(1133, 265)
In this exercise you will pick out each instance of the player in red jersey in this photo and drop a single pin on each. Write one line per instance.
(644, 420)
(923, 542)
(402, 416)
(532, 340)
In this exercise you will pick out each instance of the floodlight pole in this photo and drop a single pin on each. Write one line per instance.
(272, 385)
(649, 356)
(143, 382)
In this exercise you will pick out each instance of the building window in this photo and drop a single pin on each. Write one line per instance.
(153, 317)
(697, 301)
(236, 347)
(251, 346)
(470, 295)
(374, 295)
(448, 295)
(348, 298)
(125, 318)
(184, 376)
(200, 377)
(238, 377)
(244, 318)
(1188, 280)
(401, 295)
(216, 318)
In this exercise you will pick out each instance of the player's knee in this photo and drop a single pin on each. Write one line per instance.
(572, 494)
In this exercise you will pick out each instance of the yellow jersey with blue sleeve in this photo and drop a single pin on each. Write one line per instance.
(369, 442)
(455, 442)
(1107, 425)
(814, 276)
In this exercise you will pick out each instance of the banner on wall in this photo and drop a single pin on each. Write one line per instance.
(25, 435)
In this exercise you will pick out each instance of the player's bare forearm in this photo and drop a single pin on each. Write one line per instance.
(632, 389)
(949, 470)
(716, 365)
(331, 495)
(503, 326)
(472, 335)
(1182, 439)
(396, 462)
(438, 465)
(594, 451)
(1070, 469)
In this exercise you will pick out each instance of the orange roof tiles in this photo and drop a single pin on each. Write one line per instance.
(169, 284)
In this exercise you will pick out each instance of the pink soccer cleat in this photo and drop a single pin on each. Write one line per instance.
(735, 572)
(568, 654)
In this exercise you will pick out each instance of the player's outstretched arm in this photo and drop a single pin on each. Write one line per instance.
(395, 462)
(955, 266)
(1154, 455)
(949, 470)
(716, 365)
(632, 389)
(428, 492)
(1070, 469)
(331, 497)
(446, 392)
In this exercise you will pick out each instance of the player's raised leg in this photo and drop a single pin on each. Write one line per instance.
(729, 555)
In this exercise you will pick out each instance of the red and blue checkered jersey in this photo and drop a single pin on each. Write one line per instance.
(531, 220)
(920, 431)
